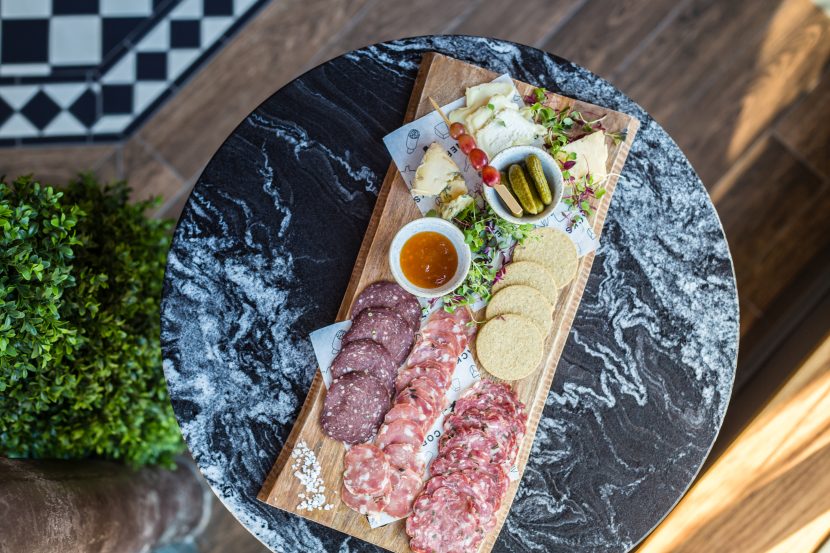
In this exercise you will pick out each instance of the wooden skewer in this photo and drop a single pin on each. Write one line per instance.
(501, 189)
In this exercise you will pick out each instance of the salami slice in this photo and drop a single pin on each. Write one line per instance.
(366, 470)
(440, 333)
(401, 431)
(367, 356)
(405, 486)
(493, 425)
(404, 457)
(421, 404)
(425, 351)
(354, 407)
(444, 521)
(478, 486)
(384, 326)
(449, 464)
(433, 370)
(475, 439)
(488, 395)
(390, 294)
(458, 324)
(365, 504)
(429, 390)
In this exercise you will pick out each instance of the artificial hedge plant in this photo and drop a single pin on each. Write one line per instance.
(80, 361)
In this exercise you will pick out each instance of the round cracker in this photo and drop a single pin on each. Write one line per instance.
(528, 273)
(553, 249)
(510, 347)
(525, 301)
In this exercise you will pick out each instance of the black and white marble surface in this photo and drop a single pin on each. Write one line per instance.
(266, 244)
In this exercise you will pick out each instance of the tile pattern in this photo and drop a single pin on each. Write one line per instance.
(91, 70)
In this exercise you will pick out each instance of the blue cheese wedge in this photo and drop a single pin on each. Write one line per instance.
(591, 155)
(453, 207)
(436, 172)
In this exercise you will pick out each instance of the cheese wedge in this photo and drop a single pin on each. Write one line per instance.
(507, 128)
(436, 171)
(453, 207)
(591, 155)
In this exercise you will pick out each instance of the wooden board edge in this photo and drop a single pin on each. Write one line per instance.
(351, 288)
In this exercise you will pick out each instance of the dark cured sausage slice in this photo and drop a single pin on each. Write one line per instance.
(384, 326)
(354, 407)
(390, 294)
(366, 470)
(444, 521)
(367, 356)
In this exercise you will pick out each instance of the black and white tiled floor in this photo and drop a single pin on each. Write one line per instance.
(92, 70)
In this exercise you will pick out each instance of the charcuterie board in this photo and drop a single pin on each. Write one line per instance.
(443, 79)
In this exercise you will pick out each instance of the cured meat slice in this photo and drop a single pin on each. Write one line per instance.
(433, 370)
(458, 457)
(493, 425)
(384, 326)
(366, 470)
(440, 333)
(426, 388)
(425, 351)
(354, 407)
(477, 485)
(489, 395)
(475, 439)
(412, 405)
(367, 356)
(401, 431)
(390, 294)
(497, 475)
(444, 521)
(459, 324)
(365, 504)
(405, 486)
(404, 457)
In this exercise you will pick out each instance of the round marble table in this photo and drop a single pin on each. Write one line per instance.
(265, 246)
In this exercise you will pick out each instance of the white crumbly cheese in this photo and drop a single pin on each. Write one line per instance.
(307, 471)
(591, 155)
(480, 95)
(508, 127)
(436, 171)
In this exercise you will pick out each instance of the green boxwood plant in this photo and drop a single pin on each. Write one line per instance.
(80, 362)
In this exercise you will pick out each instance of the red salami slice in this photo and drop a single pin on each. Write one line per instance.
(405, 486)
(444, 521)
(459, 324)
(429, 390)
(488, 395)
(492, 424)
(433, 370)
(384, 326)
(478, 485)
(366, 470)
(390, 294)
(404, 457)
(474, 439)
(367, 356)
(426, 351)
(412, 406)
(365, 504)
(440, 333)
(401, 431)
(448, 464)
(354, 407)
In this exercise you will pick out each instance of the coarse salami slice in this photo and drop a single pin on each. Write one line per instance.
(390, 294)
(401, 431)
(411, 405)
(458, 323)
(452, 463)
(444, 521)
(494, 425)
(366, 504)
(405, 486)
(367, 356)
(425, 351)
(429, 390)
(474, 439)
(488, 395)
(433, 370)
(354, 407)
(404, 457)
(440, 332)
(477, 485)
(366, 470)
(384, 326)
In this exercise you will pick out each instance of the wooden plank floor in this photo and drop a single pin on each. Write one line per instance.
(764, 156)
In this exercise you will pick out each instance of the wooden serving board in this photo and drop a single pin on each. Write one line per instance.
(444, 79)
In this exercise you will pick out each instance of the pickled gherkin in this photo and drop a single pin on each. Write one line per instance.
(537, 174)
(522, 189)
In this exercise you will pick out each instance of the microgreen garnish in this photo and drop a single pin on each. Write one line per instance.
(581, 196)
(491, 239)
